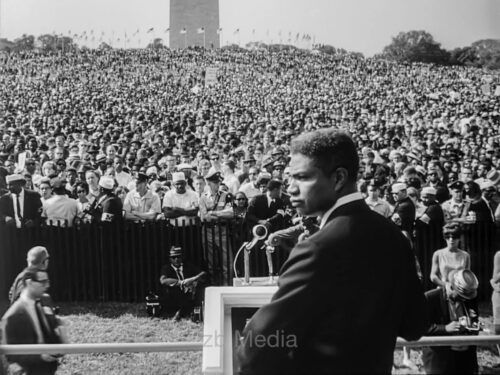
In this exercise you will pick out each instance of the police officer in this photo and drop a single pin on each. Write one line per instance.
(109, 207)
(454, 207)
(216, 209)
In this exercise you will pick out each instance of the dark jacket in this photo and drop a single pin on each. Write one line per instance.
(19, 329)
(442, 359)
(345, 294)
(259, 209)
(32, 209)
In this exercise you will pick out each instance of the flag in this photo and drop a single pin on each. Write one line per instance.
(201, 30)
(219, 30)
(297, 36)
(183, 31)
(237, 31)
(253, 32)
(150, 30)
(167, 30)
(137, 32)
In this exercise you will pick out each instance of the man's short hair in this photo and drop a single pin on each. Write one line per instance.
(330, 149)
(274, 184)
(37, 255)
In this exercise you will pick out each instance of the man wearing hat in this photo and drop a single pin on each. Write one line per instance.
(180, 205)
(453, 207)
(216, 208)
(183, 284)
(141, 203)
(453, 311)
(21, 207)
(404, 211)
(108, 207)
(59, 209)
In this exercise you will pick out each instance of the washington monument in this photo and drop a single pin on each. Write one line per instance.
(194, 23)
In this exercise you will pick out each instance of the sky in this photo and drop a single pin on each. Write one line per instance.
(356, 25)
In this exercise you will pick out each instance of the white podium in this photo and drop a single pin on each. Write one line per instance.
(226, 311)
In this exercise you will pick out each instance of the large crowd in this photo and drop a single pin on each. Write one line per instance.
(82, 115)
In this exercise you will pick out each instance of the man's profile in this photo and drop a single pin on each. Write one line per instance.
(346, 292)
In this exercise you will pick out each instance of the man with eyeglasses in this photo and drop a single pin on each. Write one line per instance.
(37, 257)
(434, 181)
(30, 320)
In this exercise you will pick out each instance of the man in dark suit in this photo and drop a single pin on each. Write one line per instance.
(28, 322)
(21, 207)
(346, 292)
(453, 311)
(268, 209)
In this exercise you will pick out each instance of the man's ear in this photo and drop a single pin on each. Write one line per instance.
(341, 177)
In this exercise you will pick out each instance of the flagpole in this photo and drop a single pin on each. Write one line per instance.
(185, 39)
(204, 46)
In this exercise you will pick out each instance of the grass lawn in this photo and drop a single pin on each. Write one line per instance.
(121, 322)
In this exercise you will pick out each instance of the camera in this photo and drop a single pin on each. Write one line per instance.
(153, 305)
(467, 325)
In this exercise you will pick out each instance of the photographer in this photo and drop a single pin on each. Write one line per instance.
(453, 311)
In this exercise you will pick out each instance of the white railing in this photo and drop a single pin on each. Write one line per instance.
(198, 346)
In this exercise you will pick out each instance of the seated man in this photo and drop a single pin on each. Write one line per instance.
(183, 285)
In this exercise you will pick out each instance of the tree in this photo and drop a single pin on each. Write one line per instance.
(416, 46)
(49, 42)
(25, 42)
(156, 44)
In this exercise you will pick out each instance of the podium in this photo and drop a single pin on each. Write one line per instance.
(227, 310)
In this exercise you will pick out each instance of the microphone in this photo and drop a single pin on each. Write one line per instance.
(259, 233)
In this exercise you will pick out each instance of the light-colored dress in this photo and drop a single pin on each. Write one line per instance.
(449, 261)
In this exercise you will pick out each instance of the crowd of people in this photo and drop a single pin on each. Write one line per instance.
(139, 135)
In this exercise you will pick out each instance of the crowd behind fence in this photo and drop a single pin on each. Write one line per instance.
(122, 261)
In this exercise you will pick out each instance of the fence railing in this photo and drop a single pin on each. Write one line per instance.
(122, 261)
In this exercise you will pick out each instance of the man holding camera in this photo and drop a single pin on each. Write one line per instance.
(453, 311)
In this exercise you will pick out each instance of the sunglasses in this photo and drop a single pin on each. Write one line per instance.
(80, 191)
(451, 237)
(240, 199)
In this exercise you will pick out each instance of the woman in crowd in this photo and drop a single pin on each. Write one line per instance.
(240, 206)
(82, 191)
(45, 189)
(92, 179)
(121, 192)
(449, 258)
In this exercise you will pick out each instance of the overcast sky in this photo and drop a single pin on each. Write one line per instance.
(356, 25)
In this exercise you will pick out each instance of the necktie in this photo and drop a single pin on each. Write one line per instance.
(18, 204)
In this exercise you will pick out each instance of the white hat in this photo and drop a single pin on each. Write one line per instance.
(397, 187)
(486, 184)
(107, 182)
(14, 177)
(184, 166)
(178, 176)
(428, 190)
(151, 170)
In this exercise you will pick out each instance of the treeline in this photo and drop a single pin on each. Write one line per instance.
(410, 46)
